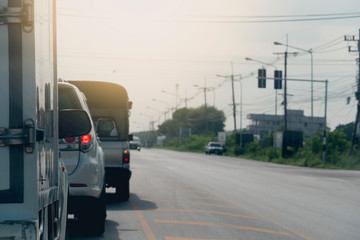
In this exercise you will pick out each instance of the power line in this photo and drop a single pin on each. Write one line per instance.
(276, 20)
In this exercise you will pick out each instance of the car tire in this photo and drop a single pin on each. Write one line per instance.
(123, 191)
(94, 214)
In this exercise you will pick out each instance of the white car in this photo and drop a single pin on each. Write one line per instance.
(84, 160)
(214, 147)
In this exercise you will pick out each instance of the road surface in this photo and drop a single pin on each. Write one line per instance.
(189, 196)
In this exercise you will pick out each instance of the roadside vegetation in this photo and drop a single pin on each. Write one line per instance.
(338, 154)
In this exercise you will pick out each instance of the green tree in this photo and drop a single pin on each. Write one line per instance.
(201, 120)
(348, 129)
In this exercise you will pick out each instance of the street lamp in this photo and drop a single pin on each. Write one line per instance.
(176, 97)
(157, 110)
(151, 123)
(167, 106)
(310, 51)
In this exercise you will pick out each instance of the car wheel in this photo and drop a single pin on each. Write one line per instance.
(94, 214)
(123, 191)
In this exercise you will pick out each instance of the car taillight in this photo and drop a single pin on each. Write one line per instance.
(70, 140)
(69, 144)
(126, 156)
(86, 143)
(86, 138)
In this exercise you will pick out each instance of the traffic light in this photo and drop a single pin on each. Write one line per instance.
(262, 78)
(277, 79)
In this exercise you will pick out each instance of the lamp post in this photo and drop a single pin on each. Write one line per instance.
(176, 97)
(167, 107)
(151, 123)
(154, 109)
(310, 51)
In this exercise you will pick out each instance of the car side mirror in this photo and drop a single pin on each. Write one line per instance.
(73, 123)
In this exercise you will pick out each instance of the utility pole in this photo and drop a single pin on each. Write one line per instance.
(205, 89)
(357, 94)
(233, 98)
(285, 89)
(233, 94)
(325, 113)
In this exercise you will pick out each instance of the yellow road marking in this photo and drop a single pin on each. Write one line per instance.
(147, 230)
(190, 191)
(216, 205)
(260, 230)
(261, 216)
(184, 222)
(201, 197)
(205, 211)
(226, 225)
(180, 238)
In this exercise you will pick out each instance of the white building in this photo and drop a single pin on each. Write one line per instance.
(264, 124)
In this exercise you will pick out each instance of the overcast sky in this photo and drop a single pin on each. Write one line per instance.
(153, 46)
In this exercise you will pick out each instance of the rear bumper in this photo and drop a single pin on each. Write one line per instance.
(116, 176)
(17, 230)
(87, 179)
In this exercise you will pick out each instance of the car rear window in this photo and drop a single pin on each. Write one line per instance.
(215, 145)
(68, 99)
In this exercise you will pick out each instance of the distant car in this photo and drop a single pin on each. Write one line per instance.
(214, 147)
(84, 161)
(135, 143)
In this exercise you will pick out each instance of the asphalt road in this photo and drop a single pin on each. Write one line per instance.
(188, 196)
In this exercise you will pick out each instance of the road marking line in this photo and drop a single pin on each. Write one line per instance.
(261, 230)
(217, 205)
(190, 191)
(205, 211)
(180, 238)
(261, 216)
(147, 230)
(224, 225)
(201, 197)
(185, 222)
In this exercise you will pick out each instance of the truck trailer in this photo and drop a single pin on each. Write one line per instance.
(33, 179)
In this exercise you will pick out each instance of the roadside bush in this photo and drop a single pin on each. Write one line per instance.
(238, 150)
(195, 143)
(273, 154)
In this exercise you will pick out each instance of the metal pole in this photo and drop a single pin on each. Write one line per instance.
(233, 96)
(312, 95)
(241, 97)
(324, 138)
(285, 93)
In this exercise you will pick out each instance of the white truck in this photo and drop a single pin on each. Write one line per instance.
(33, 180)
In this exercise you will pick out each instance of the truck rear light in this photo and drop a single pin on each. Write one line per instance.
(126, 156)
(86, 143)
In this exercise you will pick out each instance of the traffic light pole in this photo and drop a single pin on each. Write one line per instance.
(285, 92)
(357, 94)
